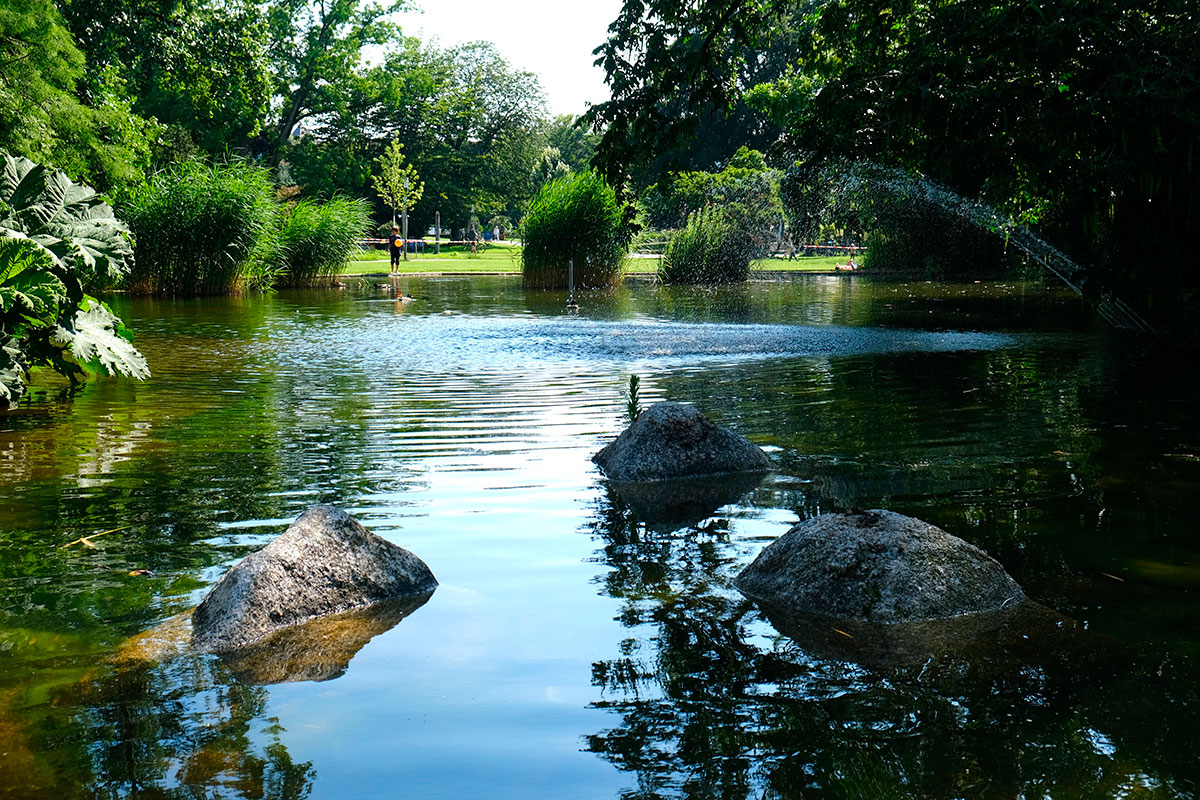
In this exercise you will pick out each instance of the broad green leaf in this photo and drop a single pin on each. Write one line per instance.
(95, 338)
(68, 219)
(12, 371)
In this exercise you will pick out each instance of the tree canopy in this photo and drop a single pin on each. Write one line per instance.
(1078, 118)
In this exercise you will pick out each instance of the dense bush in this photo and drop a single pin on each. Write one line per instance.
(56, 239)
(204, 229)
(576, 218)
(317, 240)
(711, 249)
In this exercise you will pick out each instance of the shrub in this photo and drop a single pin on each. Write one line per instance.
(575, 218)
(711, 249)
(203, 229)
(318, 240)
(56, 238)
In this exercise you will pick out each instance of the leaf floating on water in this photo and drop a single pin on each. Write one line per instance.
(1114, 577)
(842, 632)
(140, 572)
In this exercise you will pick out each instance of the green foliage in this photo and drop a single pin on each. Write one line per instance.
(576, 145)
(42, 78)
(206, 71)
(573, 219)
(68, 219)
(56, 237)
(1078, 117)
(632, 401)
(203, 229)
(319, 239)
(711, 249)
(316, 49)
(397, 183)
(746, 189)
(678, 73)
(550, 166)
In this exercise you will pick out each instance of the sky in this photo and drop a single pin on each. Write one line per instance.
(550, 38)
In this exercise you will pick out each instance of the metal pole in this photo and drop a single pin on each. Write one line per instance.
(405, 218)
(437, 232)
(571, 304)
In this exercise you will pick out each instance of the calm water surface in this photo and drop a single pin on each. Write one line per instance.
(580, 644)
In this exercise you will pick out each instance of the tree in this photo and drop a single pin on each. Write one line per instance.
(1076, 117)
(397, 183)
(316, 49)
(41, 116)
(576, 145)
(464, 114)
(678, 75)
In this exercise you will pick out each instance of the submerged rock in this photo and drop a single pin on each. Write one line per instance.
(325, 563)
(673, 440)
(878, 567)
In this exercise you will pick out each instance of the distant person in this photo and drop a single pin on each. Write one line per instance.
(395, 247)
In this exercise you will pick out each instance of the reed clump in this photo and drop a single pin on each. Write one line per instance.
(318, 239)
(576, 219)
(203, 229)
(711, 249)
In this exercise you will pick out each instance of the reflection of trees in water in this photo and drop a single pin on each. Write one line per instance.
(707, 700)
(185, 729)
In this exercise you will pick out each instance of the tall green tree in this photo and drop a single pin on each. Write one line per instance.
(316, 48)
(1077, 117)
(42, 77)
(471, 121)
(198, 66)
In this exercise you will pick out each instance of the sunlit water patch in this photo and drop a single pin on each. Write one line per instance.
(577, 648)
(454, 341)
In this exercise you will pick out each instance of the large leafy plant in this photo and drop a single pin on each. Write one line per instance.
(56, 238)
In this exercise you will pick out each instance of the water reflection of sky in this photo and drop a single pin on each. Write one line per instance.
(573, 650)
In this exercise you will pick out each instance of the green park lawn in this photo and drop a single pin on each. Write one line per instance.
(506, 258)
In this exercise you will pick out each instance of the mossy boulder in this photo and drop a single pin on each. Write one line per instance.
(879, 567)
(669, 441)
(325, 563)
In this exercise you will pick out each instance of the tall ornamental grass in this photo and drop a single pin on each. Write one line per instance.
(203, 229)
(319, 239)
(574, 218)
(711, 249)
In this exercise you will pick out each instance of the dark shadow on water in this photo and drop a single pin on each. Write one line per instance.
(665, 506)
(710, 698)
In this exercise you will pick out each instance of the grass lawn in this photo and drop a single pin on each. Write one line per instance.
(506, 258)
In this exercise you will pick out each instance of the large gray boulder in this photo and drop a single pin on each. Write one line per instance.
(673, 440)
(879, 567)
(325, 563)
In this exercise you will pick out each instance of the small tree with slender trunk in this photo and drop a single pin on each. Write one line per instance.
(397, 183)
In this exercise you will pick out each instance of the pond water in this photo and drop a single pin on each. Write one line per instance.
(578, 646)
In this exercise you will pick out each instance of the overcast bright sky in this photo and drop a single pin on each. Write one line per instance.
(550, 38)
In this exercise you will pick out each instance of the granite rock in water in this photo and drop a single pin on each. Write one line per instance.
(673, 440)
(877, 566)
(325, 563)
